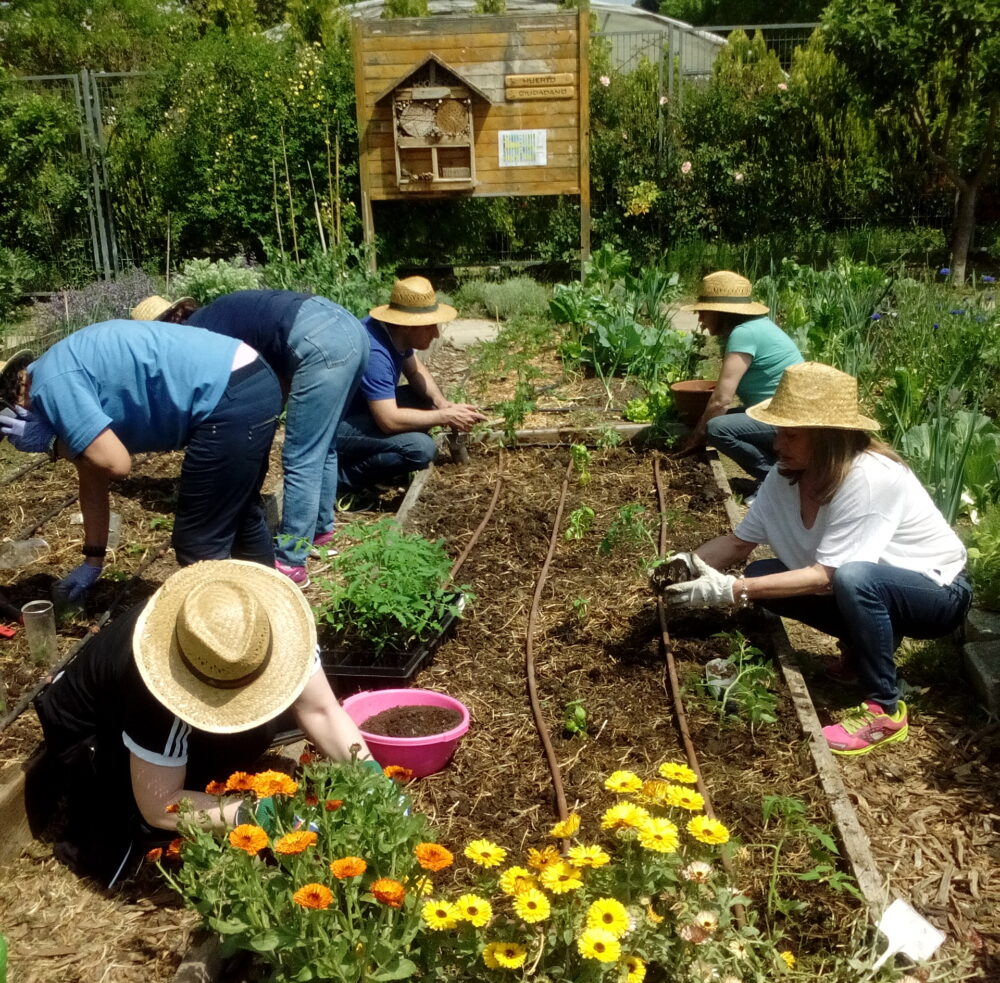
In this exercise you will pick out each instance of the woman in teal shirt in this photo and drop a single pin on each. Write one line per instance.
(755, 354)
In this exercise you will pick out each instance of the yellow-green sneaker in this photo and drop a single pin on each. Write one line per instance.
(867, 727)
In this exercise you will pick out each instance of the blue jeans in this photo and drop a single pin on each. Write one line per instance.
(747, 441)
(219, 509)
(367, 455)
(329, 353)
(872, 608)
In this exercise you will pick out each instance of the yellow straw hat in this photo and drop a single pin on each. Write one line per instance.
(226, 645)
(811, 394)
(157, 308)
(728, 292)
(413, 302)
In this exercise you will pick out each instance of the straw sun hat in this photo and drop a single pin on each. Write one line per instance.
(10, 371)
(413, 302)
(226, 645)
(811, 394)
(157, 308)
(727, 292)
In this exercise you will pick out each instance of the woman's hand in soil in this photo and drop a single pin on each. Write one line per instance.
(73, 587)
(27, 431)
(710, 589)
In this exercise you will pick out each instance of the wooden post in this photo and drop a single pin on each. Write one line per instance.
(584, 97)
(364, 163)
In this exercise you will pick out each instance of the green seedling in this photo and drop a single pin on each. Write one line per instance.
(608, 437)
(162, 522)
(581, 459)
(629, 527)
(752, 688)
(575, 719)
(580, 520)
(581, 606)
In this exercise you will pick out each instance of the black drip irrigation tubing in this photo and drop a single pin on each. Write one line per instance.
(671, 683)
(529, 659)
(464, 555)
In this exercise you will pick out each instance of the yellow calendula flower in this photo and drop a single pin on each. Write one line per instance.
(561, 878)
(623, 782)
(546, 857)
(609, 914)
(567, 827)
(473, 909)
(652, 917)
(655, 791)
(504, 955)
(587, 856)
(635, 969)
(532, 906)
(439, 915)
(485, 853)
(659, 835)
(706, 830)
(674, 772)
(686, 798)
(596, 943)
(625, 815)
(489, 955)
(788, 957)
(514, 880)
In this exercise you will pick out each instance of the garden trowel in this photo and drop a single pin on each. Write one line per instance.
(908, 932)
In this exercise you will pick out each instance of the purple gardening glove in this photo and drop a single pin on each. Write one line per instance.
(72, 589)
(27, 431)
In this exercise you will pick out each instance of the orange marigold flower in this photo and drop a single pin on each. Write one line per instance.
(306, 758)
(172, 808)
(398, 773)
(267, 783)
(215, 788)
(433, 856)
(239, 781)
(312, 800)
(152, 856)
(546, 857)
(249, 839)
(174, 848)
(389, 892)
(295, 842)
(332, 805)
(317, 896)
(348, 867)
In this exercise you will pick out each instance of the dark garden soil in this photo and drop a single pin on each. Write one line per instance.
(930, 806)
(415, 721)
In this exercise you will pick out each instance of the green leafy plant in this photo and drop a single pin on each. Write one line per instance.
(983, 542)
(575, 719)
(158, 522)
(581, 607)
(582, 459)
(751, 689)
(206, 280)
(579, 522)
(522, 403)
(629, 527)
(608, 437)
(385, 587)
(518, 295)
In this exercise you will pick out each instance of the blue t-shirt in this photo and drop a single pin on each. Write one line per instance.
(150, 382)
(771, 352)
(385, 364)
(261, 318)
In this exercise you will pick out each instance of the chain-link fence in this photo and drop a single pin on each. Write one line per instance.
(782, 39)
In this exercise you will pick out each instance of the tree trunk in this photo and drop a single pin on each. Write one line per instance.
(962, 229)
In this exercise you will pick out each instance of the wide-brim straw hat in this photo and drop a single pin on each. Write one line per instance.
(413, 302)
(727, 292)
(157, 308)
(226, 645)
(811, 394)
(9, 372)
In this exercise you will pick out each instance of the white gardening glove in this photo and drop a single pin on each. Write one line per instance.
(710, 588)
(674, 569)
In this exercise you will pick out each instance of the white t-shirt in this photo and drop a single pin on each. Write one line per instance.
(880, 514)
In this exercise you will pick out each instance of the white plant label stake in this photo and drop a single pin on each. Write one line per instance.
(908, 932)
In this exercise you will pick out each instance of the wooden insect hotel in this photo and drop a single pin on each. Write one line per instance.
(473, 106)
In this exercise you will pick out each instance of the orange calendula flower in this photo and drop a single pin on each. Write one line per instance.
(312, 800)
(433, 856)
(295, 842)
(398, 773)
(172, 808)
(332, 805)
(316, 896)
(266, 783)
(348, 867)
(389, 892)
(546, 857)
(215, 788)
(250, 839)
(153, 856)
(306, 758)
(174, 848)
(239, 781)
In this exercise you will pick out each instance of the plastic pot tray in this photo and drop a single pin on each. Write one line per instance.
(347, 675)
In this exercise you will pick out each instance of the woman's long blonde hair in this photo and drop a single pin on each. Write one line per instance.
(832, 453)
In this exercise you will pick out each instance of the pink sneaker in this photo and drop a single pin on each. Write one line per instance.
(867, 727)
(323, 538)
(322, 542)
(297, 575)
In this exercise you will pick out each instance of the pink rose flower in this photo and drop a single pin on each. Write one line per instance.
(686, 167)
(605, 81)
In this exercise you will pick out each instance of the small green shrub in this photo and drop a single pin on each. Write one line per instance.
(206, 280)
(983, 542)
(17, 269)
(518, 295)
(385, 587)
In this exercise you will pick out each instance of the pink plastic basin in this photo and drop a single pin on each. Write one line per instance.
(422, 755)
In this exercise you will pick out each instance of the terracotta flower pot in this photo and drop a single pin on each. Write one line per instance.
(691, 397)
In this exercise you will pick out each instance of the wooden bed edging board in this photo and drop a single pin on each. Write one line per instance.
(853, 838)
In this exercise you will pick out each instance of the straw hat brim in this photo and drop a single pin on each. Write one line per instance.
(832, 421)
(752, 307)
(208, 708)
(389, 315)
(9, 371)
(157, 308)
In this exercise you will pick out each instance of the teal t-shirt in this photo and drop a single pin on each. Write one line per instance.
(771, 352)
